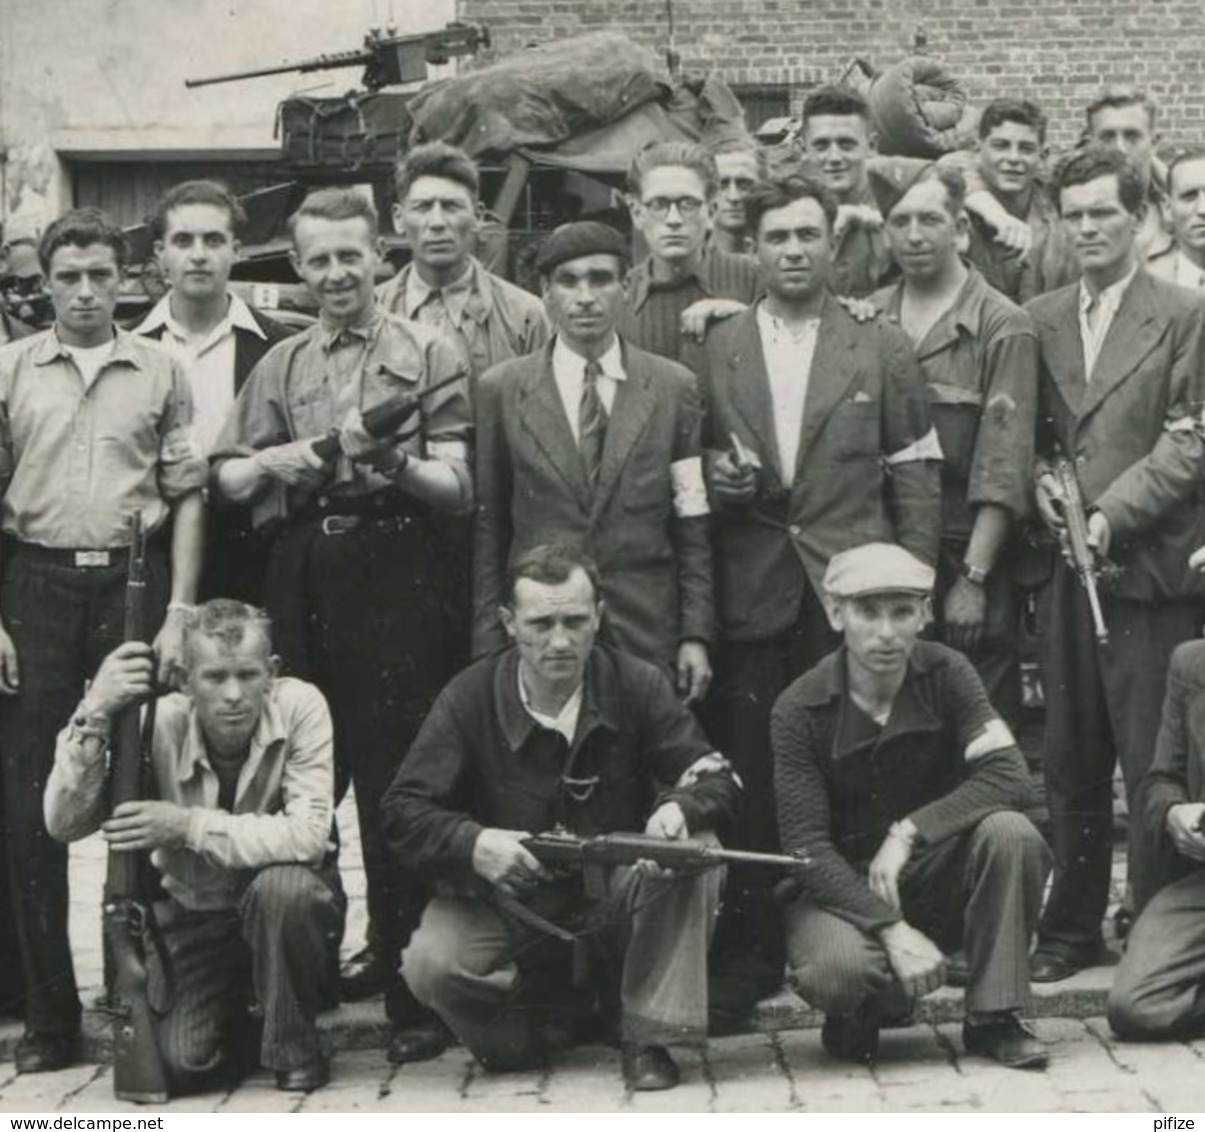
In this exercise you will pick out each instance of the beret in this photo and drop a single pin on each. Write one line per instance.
(875, 568)
(891, 177)
(582, 237)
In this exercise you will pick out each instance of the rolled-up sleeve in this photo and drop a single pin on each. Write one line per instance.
(74, 800)
(182, 465)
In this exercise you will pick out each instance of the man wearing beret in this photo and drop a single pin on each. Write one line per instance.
(596, 443)
(900, 782)
(819, 438)
(980, 360)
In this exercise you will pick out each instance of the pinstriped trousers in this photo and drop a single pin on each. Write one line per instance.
(981, 889)
(278, 948)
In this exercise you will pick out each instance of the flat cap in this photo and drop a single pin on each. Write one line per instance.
(877, 568)
(891, 177)
(582, 237)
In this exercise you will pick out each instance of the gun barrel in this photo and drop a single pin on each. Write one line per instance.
(321, 63)
(745, 856)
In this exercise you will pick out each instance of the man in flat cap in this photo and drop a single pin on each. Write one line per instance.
(980, 360)
(819, 438)
(901, 783)
(596, 443)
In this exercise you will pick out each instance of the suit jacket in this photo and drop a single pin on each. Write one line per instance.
(867, 469)
(532, 489)
(1132, 431)
(235, 557)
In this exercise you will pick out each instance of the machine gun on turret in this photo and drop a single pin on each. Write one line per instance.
(387, 59)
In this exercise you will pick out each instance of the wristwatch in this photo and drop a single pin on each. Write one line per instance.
(973, 574)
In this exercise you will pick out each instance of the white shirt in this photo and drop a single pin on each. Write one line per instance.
(565, 722)
(569, 372)
(789, 368)
(209, 362)
(90, 359)
(1109, 300)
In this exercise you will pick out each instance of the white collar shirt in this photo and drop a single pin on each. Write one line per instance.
(569, 372)
(788, 352)
(1107, 302)
(1186, 273)
(208, 361)
(564, 722)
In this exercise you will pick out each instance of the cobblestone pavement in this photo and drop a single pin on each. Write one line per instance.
(922, 1069)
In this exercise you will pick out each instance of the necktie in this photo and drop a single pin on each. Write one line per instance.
(592, 423)
(1093, 317)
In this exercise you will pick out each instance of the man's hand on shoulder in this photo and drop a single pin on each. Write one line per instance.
(701, 314)
(125, 677)
(147, 825)
(916, 960)
(856, 216)
(500, 857)
(1184, 827)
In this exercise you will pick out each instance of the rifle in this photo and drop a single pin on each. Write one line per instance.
(138, 1071)
(1070, 501)
(384, 419)
(559, 847)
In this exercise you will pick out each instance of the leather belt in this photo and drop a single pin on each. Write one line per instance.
(345, 524)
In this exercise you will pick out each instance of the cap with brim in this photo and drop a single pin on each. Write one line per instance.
(877, 568)
(581, 238)
(891, 177)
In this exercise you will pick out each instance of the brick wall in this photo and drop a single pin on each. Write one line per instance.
(1059, 53)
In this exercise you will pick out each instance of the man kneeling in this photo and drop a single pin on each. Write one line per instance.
(558, 731)
(895, 775)
(242, 765)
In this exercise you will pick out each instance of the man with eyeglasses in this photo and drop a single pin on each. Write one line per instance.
(685, 281)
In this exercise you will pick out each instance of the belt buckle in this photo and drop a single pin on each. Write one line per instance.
(92, 558)
(338, 524)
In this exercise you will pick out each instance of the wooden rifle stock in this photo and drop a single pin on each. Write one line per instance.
(138, 1071)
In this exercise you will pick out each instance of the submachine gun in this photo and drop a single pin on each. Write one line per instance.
(1069, 500)
(138, 1071)
(387, 59)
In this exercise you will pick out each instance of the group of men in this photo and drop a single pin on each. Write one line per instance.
(733, 538)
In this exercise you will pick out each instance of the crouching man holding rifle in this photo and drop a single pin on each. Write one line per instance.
(239, 832)
(558, 730)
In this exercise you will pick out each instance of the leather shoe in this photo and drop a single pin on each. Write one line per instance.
(1007, 1041)
(648, 1068)
(1054, 966)
(852, 1037)
(418, 1041)
(305, 1078)
(44, 1053)
(365, 975)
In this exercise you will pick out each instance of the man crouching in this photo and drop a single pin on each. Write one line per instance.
(253, 906)
(895, 775)
(558, 731)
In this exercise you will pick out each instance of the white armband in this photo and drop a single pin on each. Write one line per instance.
(690, 493)
(995, 736)
(927, 448)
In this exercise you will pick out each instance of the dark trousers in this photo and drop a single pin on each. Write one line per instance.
(750, 676)
(1103, 703)
(981, 890)
(997, 657)
(63, 621)
(362, 615)
(278, 947)
(1159, 987)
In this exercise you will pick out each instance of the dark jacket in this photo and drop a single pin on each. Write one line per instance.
(866, 407)
(532, 489)
(944, 759)
(1133, 431)
(236, 558)
(481, 760)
